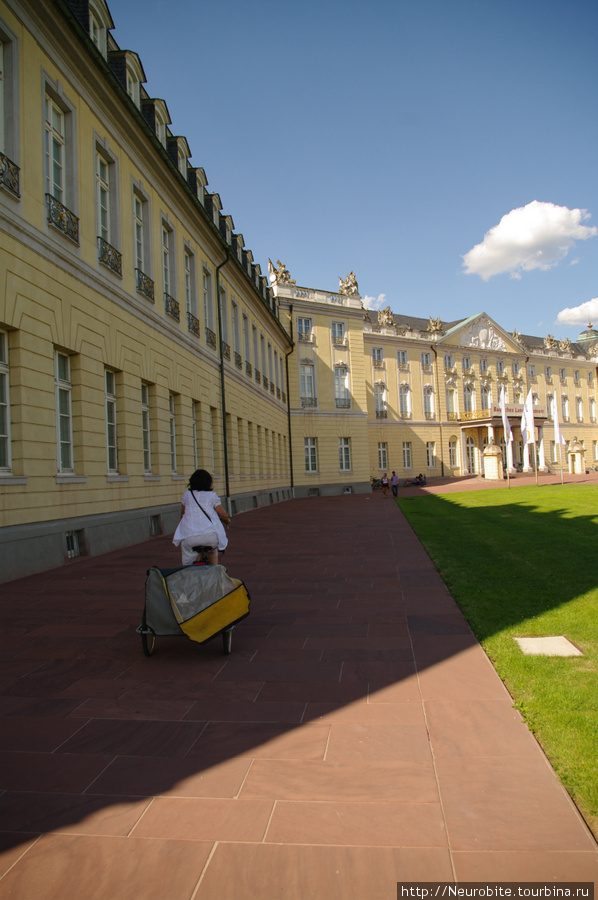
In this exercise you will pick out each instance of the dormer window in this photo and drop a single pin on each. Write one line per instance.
(135, 77)
(100, 23)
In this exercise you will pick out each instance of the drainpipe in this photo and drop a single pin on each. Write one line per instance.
(435, 352)
(222, 386)
(286, 361)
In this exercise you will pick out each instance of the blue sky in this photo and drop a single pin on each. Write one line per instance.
(393, 138)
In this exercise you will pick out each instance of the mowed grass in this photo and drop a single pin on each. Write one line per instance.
(524, 562)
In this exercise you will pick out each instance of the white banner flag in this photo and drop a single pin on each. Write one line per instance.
(503, 411)
(558, 436)
(527, 421)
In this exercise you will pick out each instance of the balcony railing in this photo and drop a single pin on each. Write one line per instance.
(265, 382)
(144, 284)
(453, 416)
(62, 218)
(342, 402)
(258, 376)
(171, 306)
(403, 367)
(382, 414)
(272, 387)
(248, 368)
(474, 414)
(429, 416)
(308, 402)
(238, 360)
(284, 397)
(404, 414)
(339, 340)
(549, 379)
(426, 367)
(225, 350)
(278, 393)
(306, 337)
(378, 364)
(109, 256)
(9, 175)
(192, 324)
(210, 338)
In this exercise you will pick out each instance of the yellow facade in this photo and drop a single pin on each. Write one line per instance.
(139, 340)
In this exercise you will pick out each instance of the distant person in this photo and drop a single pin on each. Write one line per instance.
(384, 481)
(421, 479)
(202, 520)
(394, 484)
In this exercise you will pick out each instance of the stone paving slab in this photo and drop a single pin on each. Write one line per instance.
(356, 736)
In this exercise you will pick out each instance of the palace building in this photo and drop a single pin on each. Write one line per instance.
(139, 338)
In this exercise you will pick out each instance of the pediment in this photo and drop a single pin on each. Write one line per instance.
(480, 332)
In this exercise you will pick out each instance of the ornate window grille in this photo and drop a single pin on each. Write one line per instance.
(144, 285)
(271, 388)
(210, 338)
(171, 307)
(109, 256)
(225, 350)
(308, 402)
(248, 368)
(258, 376)
(9, 175)
(265, 382)
(382, 414)
(62, 218)
(193, 324)
(342, 403)
(238, 360)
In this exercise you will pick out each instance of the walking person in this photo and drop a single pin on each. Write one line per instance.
(394, 484)
(384, 481)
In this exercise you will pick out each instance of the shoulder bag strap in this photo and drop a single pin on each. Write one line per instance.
(201, 507)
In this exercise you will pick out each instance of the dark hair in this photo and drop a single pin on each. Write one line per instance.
(201, 480)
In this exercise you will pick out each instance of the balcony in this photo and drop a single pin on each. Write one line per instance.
(404, 414)
(378, 364)
(110, 257)
(272, 388)
(210, 338)
(426, 367)
(144, 285)
(403, 367)
(305, 337)
(308, 402)
(278, 393)
(258, 377)
(284, 397)
(339, 340)
(171, 307)
(429, 416)
(225, 350)
(238, 360)
(265, 382)
(248, 368)
(62, 218)
(342, 402)
(193, 324)
(452, 417)
(9, 175)
(382, 414)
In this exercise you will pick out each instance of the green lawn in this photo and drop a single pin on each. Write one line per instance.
(524, 562)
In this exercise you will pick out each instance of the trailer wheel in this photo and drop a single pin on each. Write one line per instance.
(148, 641)
(227, 641)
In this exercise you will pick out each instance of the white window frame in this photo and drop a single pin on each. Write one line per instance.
(426, 360)
(235, 325)
(403, 357)
(382, 456)
(9, 95)
(172, 431)
(449, 360)
(5, 438)
(404, 401)
(190, 281)
(380, 399)
(208, 298)
(168, 257)
(429, 404)
(304, 328)
(341, 383)
(111, 421)
(468, 405)
(311, 454)
(431, 454)
(377, 355)
(64, 412)
(407, 456)
(344, 454)
(453, 453)
(307, 386)
(338, 332)
(146, 428)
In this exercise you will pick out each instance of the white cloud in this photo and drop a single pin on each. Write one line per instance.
(374, 302)
(536, 236)
(582, 314)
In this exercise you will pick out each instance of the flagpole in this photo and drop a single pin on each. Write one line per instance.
(535, 459)
(561, 460)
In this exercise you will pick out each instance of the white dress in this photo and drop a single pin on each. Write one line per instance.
(194, 522)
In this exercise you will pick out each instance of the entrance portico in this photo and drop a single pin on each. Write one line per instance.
(482, 427)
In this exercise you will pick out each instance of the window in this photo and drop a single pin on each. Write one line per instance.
(190, 291)
(466, 363)
(111, 433)
(403, 359)
(383, 456)
(378, 356)
(531, 372)
(9, 110)
(263, 355)
(406, 454)
(344, 454)
(595, 450)
(431, 454)
(100, 23)
(224, 319)
(591, 379)
(380, 400)
(311, 454)
(468, 398)
(256, 359)
(55, 150)
(426, 359)
(103, 197)
(486, 396)
(139, 225)
(404, 401)
(304, 328)
(235, 325)
(453, 453)
(565, 408)
(429, 403)
(306, 385)
(450, 403)
(208, 304)
(169, 272)
(246, 344)
(515, 368)
(579, 409)
(576, 377)
(563, 376)
(500, 367)
(172, 429)
(449, 360)
(483, 366)
(341, 387)
(64, 416)
(146, 429)
(5, 452)
(337, 330)
(548, 373)
(592, 409)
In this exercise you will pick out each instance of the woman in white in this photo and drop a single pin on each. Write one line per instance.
(202, 520)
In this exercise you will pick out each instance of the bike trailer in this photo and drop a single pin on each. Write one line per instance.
(197, 601)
